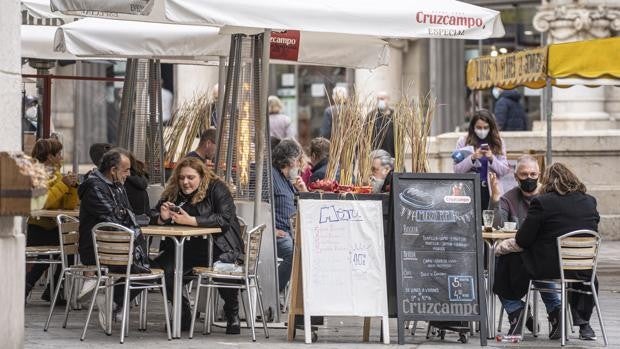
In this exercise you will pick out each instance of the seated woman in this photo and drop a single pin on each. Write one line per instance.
(562, 207)
(195, 196)
(61, 194)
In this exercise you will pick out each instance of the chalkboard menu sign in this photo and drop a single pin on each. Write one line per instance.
(438, 249)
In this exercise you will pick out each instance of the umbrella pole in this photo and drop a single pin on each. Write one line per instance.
(547, 111)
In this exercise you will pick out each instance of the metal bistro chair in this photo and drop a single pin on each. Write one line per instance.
(68, 235)
(113, 244)
(249, 277)
(577, 251)
(48, 254)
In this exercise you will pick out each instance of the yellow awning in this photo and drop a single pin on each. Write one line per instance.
(585, 59)
(593, 59)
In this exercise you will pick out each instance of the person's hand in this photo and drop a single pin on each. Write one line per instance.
(70, 179)
(281, 233)
(164, 210)
(300, 185)
(182, 218)
(477, 154)
(495, 185)
(488, 153)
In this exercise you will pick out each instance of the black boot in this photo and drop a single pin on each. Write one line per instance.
(233, 324)
(516, 321)
(554, 320)
(186, 314)
(47, 296)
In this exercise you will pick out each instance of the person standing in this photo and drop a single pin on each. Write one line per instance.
(280, 125)
(207, 147)
(508, 111)
(383, 134)
(339, 97)
(487, 152)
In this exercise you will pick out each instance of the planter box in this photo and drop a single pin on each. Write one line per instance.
(17, 196)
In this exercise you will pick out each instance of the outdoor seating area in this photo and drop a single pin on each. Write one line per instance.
(336, 174)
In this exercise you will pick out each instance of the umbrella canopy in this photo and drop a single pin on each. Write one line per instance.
(39, 8)
(38, 42)
(596, 64)
(107, 38)
(388, 18)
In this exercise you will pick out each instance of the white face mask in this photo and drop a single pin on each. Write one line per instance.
(496, 92)
(31, 113)
(482, 133)
(381, 104)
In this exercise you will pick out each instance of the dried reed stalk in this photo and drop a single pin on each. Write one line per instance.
(424, 109)
(191, 119)
(366, 143)
(401, 118)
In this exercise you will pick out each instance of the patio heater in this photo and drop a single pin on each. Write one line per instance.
(243, 159)
(140, 126)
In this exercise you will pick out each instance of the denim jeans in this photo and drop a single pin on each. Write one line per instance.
(551, 299)
(285, 251)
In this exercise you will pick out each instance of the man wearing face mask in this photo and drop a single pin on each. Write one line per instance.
(383, 134)
(286, 183)
(513, 207)
(382, 166)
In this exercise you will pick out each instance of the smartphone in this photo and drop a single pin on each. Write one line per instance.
(175, 208)
(484, 146)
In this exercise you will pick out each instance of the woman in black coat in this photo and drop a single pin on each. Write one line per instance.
(562, 207)
(135, 186)
(195, 196)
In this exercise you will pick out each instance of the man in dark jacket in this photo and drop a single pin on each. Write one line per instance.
(509, 112)
(319, 152)
(383, 134)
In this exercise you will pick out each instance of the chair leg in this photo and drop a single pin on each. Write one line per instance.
(125, 311)
(109, 304)
(251, 316)
(56, 292)
(90, 309)
(195, 310)
(72, 292)
(208, 311)
(262, 308)
(563, 313)
(598, 313)
(428, 330)
(166, 314)
(534, 314)
(501, 318)
(245, 307)
(523, 316)
(414, 327)
(570, 318)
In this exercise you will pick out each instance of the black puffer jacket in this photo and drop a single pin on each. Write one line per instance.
(509, 113)
(217, 210)
(136, 192)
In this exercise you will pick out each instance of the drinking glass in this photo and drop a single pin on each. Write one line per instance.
(487, 219)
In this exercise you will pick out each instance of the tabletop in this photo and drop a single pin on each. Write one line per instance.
(498, 235)
(178, 230)
(54, 213)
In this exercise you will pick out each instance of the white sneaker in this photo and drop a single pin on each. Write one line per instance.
(102, 312)
(88, 286)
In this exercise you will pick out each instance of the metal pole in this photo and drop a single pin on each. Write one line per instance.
(479, 92)
(548, 112)
(221, 83)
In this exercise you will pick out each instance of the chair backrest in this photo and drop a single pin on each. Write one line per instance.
(68, 236)
(113, 244)
(244, 229)
(252, 250)
(578, 250)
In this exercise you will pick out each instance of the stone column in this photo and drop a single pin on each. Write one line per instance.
(12, 239)
(579, 107)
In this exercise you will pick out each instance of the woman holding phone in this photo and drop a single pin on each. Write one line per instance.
(195, 196)
(487, 153)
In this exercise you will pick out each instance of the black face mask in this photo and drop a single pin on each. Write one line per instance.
(528, 185)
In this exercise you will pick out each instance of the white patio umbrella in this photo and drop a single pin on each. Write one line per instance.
(132, 39)
(38, 42)
(387, 18)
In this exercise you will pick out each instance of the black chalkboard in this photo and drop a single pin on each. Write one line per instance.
(438, 249)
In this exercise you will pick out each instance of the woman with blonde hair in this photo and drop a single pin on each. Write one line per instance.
(280, 125)
(61, 194)
(195, 196)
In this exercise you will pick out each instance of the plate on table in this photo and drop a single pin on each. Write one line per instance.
(509, 231)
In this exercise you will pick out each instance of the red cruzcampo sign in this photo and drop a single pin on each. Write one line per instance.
(284, 45)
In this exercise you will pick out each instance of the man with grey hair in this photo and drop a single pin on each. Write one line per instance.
(286, 161)
(339, 97)
(513, 207)
(382, 168)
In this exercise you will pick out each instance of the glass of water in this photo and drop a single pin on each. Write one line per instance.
(487, 219)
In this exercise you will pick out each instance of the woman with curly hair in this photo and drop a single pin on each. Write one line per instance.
(195, 196)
